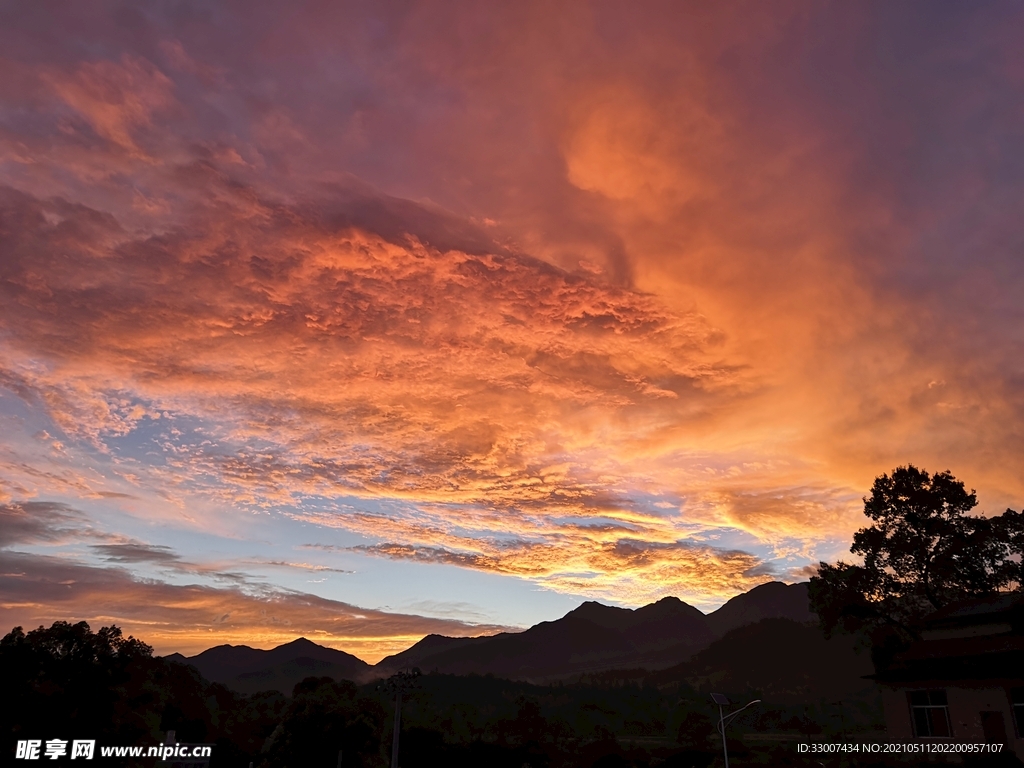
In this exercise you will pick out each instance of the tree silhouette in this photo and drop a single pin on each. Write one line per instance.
(68, 679)
(324, 716)
(696, 730)
(922, 552)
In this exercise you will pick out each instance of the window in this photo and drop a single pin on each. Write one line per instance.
(930, 713)
(1017, 698)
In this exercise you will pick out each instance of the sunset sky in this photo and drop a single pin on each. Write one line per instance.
(363, 320)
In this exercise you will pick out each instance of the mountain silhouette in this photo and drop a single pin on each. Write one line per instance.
(241, 667)
(597, 637)
(590, 639)
(773, 600)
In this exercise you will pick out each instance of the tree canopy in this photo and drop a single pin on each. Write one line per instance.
(69, 682)
(922, 552)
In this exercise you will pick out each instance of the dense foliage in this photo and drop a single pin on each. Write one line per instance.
(69, 680)
(71, 683)
(921, 552)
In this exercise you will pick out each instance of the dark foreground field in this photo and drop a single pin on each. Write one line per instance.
(71, 683)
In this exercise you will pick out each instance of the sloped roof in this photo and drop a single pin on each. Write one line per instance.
(1003, 607)
(967, 660)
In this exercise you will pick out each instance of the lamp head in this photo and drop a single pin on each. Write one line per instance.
(719, 699)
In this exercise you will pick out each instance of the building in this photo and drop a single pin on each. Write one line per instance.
(964, 680)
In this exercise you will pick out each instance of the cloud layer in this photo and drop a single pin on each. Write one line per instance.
(478, 391)
(188, 618)
(620, 304)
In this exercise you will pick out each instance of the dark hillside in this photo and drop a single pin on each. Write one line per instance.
(767, 601)
(778, 659)
(590, 638)
(635, 718)
(225, 663)
(414, 655)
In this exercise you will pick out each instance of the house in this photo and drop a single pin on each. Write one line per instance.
(964, 680)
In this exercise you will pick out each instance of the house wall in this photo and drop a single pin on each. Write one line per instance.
(897, 715)
(965, 708)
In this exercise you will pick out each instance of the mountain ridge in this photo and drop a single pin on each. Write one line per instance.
(224, 663)
(589, 639)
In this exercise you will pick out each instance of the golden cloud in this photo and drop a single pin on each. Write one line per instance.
(489, 393)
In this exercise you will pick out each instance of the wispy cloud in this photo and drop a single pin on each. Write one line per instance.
(40, 589)
(136, 552)
(40, 522)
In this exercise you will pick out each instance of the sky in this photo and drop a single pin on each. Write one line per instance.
(365, 320)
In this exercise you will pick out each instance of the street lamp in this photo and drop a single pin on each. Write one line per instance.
(724, 720)
(397, 684)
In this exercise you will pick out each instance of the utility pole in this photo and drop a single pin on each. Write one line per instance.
(724, 720)
(397, 683)
(398, 728)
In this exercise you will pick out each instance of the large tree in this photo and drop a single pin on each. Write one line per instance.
(67, 679)
(922, 552)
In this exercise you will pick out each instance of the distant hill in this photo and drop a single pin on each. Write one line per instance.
(429, 646)
(283, 677)
(782, 660)
(773, 600)
(597, 637)
(243, 668)
(591, 639)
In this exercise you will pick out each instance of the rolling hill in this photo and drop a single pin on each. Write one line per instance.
(241, 667)
(773, 600)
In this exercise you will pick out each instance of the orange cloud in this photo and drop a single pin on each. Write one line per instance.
(624, 148)
(115, 98)
(377, 370)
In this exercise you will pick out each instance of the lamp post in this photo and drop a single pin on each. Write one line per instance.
(397, 684)
(724, 720)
